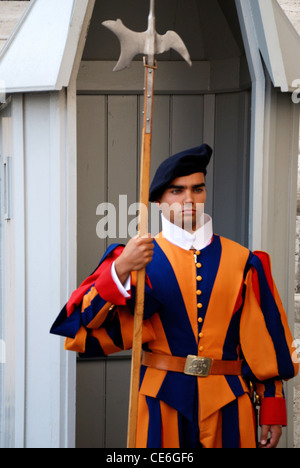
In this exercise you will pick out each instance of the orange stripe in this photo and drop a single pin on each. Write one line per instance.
(153, 378)
(88, 298)
(254, 325)
(170, 433)
(142, 423)
(169, 429)
(160, 344)
(223, 298)
(77, 344)
(126, 320)
(279, 389)
(246, 422)
(100, 317)
(105, 341)
(211, 431)
(267, 266)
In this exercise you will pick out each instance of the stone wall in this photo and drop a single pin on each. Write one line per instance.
(297, 319)
(292, 10)
(10, 14)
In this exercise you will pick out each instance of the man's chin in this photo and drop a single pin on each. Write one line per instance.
(188, 223)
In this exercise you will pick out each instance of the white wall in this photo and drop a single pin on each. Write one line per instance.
(40, 249)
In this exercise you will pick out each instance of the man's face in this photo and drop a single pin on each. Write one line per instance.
(183, 201)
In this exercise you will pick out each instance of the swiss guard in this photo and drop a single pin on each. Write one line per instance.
(215, 331)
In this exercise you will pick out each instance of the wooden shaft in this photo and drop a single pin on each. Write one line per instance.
(140, 288)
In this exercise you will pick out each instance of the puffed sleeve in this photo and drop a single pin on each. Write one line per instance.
(266, 340)
(98, 320)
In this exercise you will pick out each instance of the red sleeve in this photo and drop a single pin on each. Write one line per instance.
(105, 284)
(101, 280)
(273, 412)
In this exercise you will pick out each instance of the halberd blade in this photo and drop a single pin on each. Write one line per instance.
(132, 43)
(148, 43)
(171, 40)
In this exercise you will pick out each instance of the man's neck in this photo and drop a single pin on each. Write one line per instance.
(198, 239)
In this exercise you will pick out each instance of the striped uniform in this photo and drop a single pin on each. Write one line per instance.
(226, 308)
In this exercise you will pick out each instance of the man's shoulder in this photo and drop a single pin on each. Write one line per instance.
(234, 246)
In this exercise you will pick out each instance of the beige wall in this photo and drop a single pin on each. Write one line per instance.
(292, 10)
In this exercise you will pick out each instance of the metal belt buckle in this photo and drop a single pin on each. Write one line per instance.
(197, 366)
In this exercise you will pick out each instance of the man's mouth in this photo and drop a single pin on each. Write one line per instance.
(189, 211)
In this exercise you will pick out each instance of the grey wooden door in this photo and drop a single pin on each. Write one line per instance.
(109, 133)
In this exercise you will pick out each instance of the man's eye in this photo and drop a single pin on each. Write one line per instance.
(176, 191)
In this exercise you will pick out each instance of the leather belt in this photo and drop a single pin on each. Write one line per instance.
(192, 365)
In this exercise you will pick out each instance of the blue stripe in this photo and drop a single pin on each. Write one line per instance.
(173, 314)
(113, 328)
(270, 389)
(151, 304)
(232, 340)
(92, 348)
(230, 351)
(230, 426)
(273, 323)
(154, 431)
(235, 385)
(231, 343)
(184, 399)
(67, 326)
(92, 310)
(210, 260)
(188, 432)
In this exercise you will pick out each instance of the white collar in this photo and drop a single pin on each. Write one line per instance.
(178, 236)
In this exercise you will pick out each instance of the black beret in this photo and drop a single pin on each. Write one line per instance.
(180, 165)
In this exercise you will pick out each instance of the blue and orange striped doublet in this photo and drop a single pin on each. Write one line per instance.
(225, 307)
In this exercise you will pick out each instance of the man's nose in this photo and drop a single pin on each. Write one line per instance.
(188, 197)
